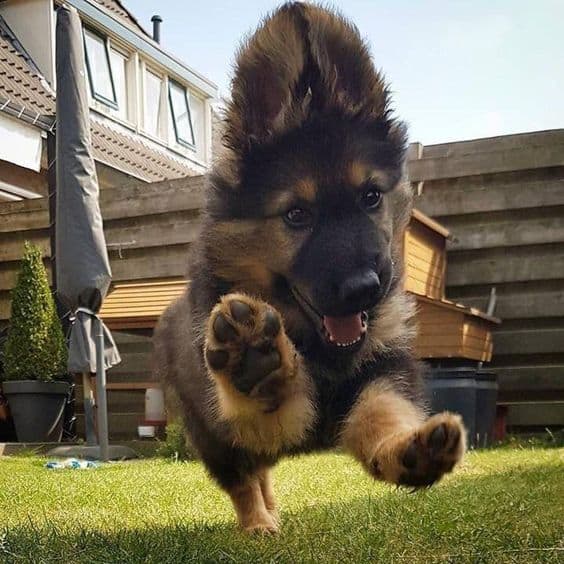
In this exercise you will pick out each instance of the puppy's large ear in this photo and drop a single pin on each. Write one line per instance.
(268, 67)
(349, 81)
(302, 59)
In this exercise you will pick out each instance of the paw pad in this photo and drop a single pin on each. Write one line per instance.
(432, 451)
(243, 344)
(223, 330)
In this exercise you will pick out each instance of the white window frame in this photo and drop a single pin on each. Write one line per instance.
(121, 113)
(112, 103)
(180, 140)
(162, 128)
(128, 114)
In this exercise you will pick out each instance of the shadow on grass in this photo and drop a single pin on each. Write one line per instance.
(510, 516)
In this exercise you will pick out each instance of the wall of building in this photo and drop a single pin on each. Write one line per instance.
(503, 201)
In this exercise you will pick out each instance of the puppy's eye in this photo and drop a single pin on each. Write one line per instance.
(299, 217)
(371, 198)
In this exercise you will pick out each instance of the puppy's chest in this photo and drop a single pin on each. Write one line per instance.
(335, 395)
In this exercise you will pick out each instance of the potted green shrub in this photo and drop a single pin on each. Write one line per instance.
(35, 355)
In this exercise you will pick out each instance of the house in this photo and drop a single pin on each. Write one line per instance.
(150, 112)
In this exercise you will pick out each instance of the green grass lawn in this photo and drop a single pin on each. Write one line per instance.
(502, 505)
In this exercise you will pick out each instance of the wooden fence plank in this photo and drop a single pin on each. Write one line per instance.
(494, 266)
(491, 144)
(473, 199)
(521, 305)
(534, 231)
(535, 377)
(528, 342)
(523, 158)
(536, 414)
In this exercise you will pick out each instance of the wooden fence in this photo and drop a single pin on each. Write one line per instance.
(503, 201)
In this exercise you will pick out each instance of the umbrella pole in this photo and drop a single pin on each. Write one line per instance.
(101, 392)
(88, 397)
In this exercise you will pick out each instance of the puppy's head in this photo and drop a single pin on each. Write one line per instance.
(307, 205)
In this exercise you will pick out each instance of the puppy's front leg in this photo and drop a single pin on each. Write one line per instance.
(389, 435)
(263, 390)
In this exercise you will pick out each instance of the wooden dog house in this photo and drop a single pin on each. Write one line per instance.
(446, 329)
(425, 256)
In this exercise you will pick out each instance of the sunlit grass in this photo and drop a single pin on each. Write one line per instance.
(502, 505)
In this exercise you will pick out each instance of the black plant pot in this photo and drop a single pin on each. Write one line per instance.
(37, 409)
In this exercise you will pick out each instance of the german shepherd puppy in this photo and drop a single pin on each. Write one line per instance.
(295, 332)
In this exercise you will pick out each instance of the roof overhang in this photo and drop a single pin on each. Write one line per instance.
(146, 46)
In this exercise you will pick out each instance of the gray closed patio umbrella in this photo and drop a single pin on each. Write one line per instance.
(81, 260)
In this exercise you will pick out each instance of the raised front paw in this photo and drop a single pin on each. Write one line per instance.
(419, 459)
(246, 344)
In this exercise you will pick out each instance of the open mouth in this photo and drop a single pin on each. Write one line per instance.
(341, 333)
(345, 332)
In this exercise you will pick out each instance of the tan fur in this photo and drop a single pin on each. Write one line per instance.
(383, 424)
(244, 252)
(359, 173)
(378, 414)
(253, 426)
(252, 513)
(306, 189)
(388, 455)
(267, 489)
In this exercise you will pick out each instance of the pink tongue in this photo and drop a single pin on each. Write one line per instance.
(344, 329)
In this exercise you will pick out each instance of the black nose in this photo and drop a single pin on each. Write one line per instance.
(360, 291)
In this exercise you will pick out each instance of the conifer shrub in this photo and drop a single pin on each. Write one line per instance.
(35, 348)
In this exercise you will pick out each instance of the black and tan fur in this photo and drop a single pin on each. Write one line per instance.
(309, 125)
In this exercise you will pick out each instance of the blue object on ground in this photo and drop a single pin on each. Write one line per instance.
(73, 463)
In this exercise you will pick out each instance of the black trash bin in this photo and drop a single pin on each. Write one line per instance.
(470, 392)
(486, 399)
(454, 389)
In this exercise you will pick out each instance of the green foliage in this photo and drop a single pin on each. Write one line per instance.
(35, 348)
(176, 443)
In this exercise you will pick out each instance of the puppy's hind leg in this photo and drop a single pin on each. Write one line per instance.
(251, 507)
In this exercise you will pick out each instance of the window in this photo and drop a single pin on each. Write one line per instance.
(99, 70)
(180, 111)
(198, 111)
(152, 106)
(118, 66)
